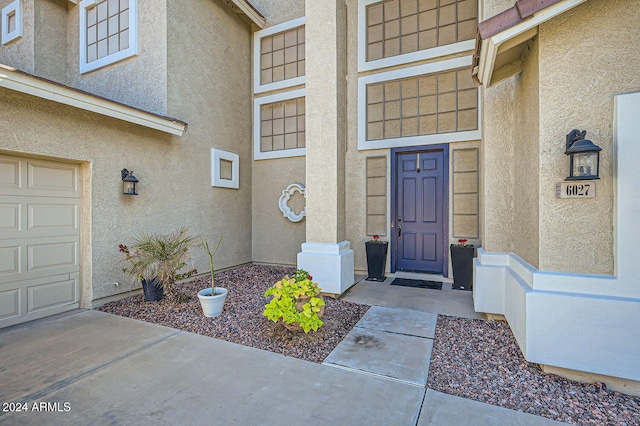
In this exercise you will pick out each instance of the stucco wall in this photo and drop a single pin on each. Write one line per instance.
(497, 153)
(19, 53)
(526, 171)
(51, 40)
(275, 238)
(139, 81)
(209, 87)
(585, 59)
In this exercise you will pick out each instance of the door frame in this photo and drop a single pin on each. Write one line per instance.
(393, 240)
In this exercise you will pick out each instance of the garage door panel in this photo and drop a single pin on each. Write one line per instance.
(39, 238)
(49, 295)
(9, 304)
(52, 255)
(35, 217)
(9, 216)
(48, 178)
(28, 300)
(9, 260)
(9, 172)
(53, 216)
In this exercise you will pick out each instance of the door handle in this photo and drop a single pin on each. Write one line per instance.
(399, 227)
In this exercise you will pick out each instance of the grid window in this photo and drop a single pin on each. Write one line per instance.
(282, 56)
(108, 32)
(282, 125)
(422, 105)
(397, 27)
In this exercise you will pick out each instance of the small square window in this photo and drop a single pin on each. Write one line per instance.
(225, 169)
(11, 24)
(108, 32)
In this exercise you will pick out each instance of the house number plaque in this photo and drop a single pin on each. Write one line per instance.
(575, 190)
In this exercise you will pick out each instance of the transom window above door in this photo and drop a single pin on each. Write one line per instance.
(108, 32)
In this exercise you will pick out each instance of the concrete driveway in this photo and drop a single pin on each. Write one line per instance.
(90, 367)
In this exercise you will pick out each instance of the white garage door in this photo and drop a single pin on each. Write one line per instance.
(39, 238)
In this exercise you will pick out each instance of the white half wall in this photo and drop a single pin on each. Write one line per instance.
(330, 265)
(576, 321)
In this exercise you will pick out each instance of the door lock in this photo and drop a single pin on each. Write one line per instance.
(399, 227)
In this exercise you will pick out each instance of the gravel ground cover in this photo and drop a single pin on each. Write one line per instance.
(480, 360)
(474, 359)
(241, 320)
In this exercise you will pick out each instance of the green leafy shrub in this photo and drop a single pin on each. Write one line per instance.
(296, 302)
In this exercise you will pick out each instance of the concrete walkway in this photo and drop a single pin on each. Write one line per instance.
(90, 367)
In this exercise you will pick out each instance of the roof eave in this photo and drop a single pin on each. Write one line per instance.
(248, 10)
(22, 82)
(507, 34)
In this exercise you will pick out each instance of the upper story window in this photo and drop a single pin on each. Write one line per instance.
(108, 32)
(279, 56)
(11, 25)
(400, 31)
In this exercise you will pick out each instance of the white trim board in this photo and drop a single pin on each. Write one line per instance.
(13, 79)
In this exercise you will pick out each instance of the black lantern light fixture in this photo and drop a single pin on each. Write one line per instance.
(128, 182)
(584, 156)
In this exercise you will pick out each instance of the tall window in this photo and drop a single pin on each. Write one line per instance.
(108, 32)
(279, 64)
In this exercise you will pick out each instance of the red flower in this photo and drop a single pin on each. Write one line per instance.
(463, 241)
(309, 277)
(375, 237)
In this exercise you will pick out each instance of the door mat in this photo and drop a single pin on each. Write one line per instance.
(433, 285)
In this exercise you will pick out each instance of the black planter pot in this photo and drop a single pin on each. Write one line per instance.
(376, 260)
(152, 290)
(462, 263)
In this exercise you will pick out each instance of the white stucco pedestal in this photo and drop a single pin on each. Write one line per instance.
(330, 265)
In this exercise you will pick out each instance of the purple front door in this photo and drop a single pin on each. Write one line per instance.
(420, 211)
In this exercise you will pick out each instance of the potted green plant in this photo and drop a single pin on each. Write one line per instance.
(376, 258)
(212, 298)
(462, 264)
(155, 260)
(296, 303)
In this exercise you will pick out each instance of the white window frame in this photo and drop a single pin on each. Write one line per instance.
(217, 155)
(436, 138)
(132, 50)
(257, 52)
(257, 105)
(14, 8)
(420, 55)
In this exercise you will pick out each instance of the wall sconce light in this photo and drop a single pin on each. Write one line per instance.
(584, 156)
(128, 182)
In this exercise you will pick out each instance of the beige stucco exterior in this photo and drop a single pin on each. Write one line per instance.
(212, 95)
(275, 239)
(526, 119)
